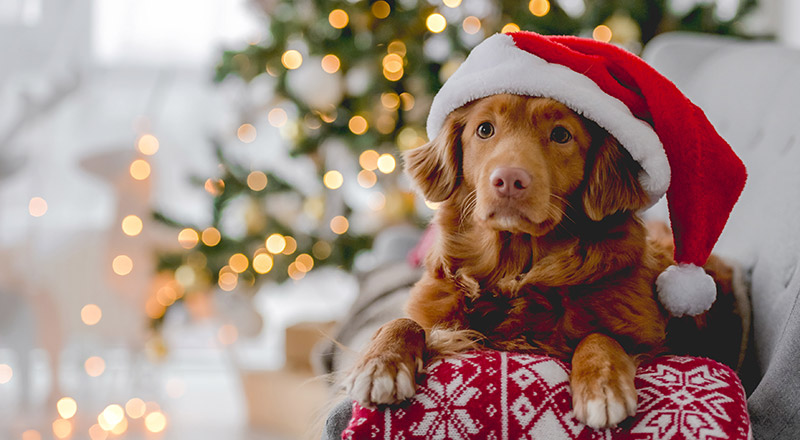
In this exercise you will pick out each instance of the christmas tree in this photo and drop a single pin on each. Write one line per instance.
(353, 81)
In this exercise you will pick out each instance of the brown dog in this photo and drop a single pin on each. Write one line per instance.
(540, 251)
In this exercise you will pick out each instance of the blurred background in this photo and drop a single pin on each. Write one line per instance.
(194, 192)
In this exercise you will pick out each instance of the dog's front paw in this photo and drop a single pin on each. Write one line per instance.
(603, 400)
(383, 379)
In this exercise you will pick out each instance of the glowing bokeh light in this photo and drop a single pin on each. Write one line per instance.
(436, 22)
(386, 163)
(37, 207)
(96, 432)
(277, 117)
(132, 225)
(292, 59)
(369, 160)
(238, 262)
(367, 178)
(188, 238)
(333, 179)
(90, 315)
(148, 144)
(62, 428)
(451, 3)
(509, 28)
(539, 8)
(140, 169)
(330, 63)
(246, 133)
(155, 422)
(338, 18)
(304, 262)
(262, 263)
(291, 245)
(321, 250)
(94, 366)
(135, 408)
(381, 9)
(602, 33)
(31, 434)
(6, 373)
(358, 125)
(122, 265)
(471, 25)
(339, 224)
(276, 243)
(120, 427)
(211, 236)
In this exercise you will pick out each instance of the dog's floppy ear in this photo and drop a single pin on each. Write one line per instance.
(613, 182)
(436, 166)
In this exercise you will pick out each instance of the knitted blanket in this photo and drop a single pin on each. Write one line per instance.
(509, 396)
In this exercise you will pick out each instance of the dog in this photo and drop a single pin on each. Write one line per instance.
(540, 250)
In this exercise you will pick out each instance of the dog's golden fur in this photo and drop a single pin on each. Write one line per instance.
(564, 267)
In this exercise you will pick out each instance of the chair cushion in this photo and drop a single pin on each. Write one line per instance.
(503, 395)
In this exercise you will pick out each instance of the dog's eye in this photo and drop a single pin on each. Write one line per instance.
(485, 130)
(560, 135)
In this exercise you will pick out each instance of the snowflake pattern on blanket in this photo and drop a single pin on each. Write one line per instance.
(508, 396)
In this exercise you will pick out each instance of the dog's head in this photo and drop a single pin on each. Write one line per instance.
(524, 162)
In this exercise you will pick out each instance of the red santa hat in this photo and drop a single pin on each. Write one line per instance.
(680, 153)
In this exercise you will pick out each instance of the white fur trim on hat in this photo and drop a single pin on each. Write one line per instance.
(497, 66)
(686, 289)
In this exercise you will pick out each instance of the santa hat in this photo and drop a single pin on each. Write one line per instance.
(680, 153)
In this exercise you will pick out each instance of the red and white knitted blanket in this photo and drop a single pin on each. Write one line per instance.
(509, 396)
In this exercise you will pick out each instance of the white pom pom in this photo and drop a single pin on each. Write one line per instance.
(686, 289)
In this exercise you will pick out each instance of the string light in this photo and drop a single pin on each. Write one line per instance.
(131, 225)
(188, 238)
(451, 3)
(211, 236)
(90, 315)
(391, 101)
(358, 125)
(37, 207)
(602, 33)
(155, 422)
(291, 245)
(333, 179)
(120, 427)
(471, 24)
(386, 163)
(256, 180)
(330, 63)
(94, 366)
(227, 334)
(381, 9)
(393, 62)
(369, 160)
(122, 265)
(339, 225)
(148, 144)
(338, 18)
(238, 262)
(6, 373)
(321, 250)
(215, 187)
(246, 133)
(31, 434)
(135, 408)
(295, 273)
(275, 243)
(539, 8)
(262, 263)
(228, 280)
(510, 28)
(140, 169)
(277, 117)
(97, 433)
(62, 428)
(367, 179)
(291, 59)
(436, 22)
(304, 262)
(408, 101)
(397, 47)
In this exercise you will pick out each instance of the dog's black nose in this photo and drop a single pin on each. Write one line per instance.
(510, 181)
